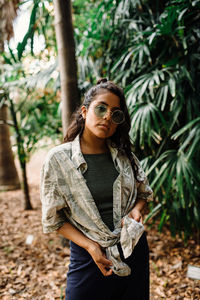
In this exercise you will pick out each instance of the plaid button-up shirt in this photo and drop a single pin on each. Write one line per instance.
(66, 198)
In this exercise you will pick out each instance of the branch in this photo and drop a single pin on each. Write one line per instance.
(10, 123)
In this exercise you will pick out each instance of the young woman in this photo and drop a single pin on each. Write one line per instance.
(93, 191)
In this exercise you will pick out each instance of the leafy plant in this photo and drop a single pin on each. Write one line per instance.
(152, 50)
(31, 94)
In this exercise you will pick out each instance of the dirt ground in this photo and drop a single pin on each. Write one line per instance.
(33, 265)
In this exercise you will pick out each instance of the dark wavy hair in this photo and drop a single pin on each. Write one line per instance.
(120, 139)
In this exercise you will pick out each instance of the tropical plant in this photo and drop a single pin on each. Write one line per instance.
(152, 50)
(9, 178)
(34, 112)
(35, 116)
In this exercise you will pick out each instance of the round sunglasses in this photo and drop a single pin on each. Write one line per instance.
(117, 116)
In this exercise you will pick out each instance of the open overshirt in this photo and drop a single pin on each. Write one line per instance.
(65, 198)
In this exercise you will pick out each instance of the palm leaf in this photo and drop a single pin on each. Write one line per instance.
(153, 213)
(29, 35)
(185, 128)
(146, 119)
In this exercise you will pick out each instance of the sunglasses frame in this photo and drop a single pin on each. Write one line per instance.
(111, 113)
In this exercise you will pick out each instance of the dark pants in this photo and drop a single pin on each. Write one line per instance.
(86, 282)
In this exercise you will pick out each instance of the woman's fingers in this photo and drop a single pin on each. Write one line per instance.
(105, 261)
(107, 272)
(99, 257)
(104, 269)
(136, 215)
(104, 265)
(137, 218)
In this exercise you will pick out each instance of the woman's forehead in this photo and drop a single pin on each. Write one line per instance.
(108, 99)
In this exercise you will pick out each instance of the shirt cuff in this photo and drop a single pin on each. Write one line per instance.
(51, 228)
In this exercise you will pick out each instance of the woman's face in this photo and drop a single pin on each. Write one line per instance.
(101, 127)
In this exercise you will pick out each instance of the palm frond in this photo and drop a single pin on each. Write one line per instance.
(189, 135)
(145, 117)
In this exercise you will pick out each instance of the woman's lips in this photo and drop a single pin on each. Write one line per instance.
(103, 126)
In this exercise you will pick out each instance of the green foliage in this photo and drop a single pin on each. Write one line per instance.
(30, 89)
(40, 25)
(30, 33)
(152, 49)
(31, 93)
(35, 112)
(38, 118)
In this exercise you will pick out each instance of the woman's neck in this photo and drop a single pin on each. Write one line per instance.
(93, 145)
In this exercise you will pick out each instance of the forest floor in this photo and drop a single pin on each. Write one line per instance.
(33, 265)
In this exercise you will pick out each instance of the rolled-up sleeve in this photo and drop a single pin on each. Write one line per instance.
(144, 190)
(52, 200)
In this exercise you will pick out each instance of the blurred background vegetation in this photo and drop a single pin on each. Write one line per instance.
(152, 50)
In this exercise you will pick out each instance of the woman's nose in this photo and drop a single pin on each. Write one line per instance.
(108, 115)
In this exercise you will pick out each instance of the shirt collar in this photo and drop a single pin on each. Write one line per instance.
(77, 156)
(113, 150)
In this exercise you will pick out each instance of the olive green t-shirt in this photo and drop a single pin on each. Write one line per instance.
(100, 176)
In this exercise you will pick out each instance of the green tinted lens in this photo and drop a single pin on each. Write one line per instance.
(100, 110)
(118, 116)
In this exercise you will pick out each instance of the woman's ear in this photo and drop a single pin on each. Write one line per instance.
(83, 112)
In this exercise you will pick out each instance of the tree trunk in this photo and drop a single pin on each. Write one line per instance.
(67, 61)
(27, 201)
(9, 179)
(8, 175)
(22, 158)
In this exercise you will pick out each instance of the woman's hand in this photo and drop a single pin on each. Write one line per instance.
(100, 258)
(72, 233)
(136, 215)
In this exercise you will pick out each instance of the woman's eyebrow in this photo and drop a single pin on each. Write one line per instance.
(113, 108)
